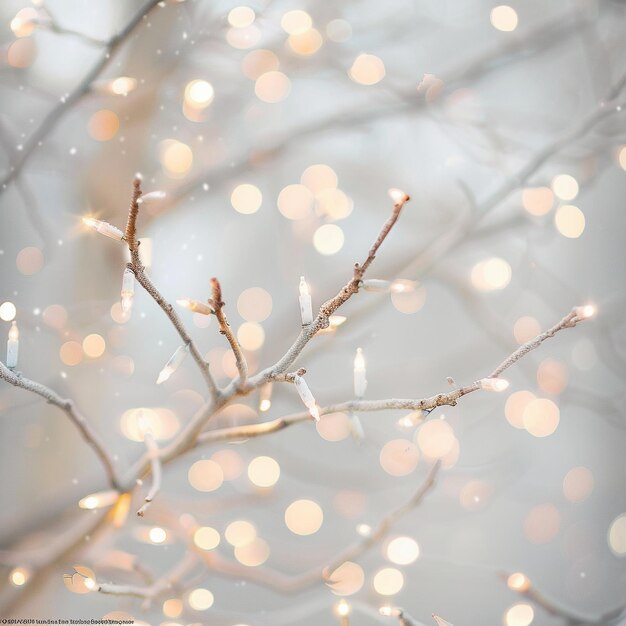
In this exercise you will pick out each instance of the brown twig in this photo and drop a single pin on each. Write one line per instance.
(218, 307)
(138, 269)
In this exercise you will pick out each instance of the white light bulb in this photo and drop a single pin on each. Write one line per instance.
(398, 196)
(360, 381)
(13, 346)
(104, 228)
(306, 396)
(494, 384)
(173, 364)
(306, 307)
(585, 311)
(153, 196)
(195, 305)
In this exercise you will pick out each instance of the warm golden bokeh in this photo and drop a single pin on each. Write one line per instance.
(399, 457)
(304, 517)
(205, 475)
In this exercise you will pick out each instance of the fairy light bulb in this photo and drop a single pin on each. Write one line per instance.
(494, 384)
(306, 396)
(585, 312)
(518, 582)
(306, 307)
(104, 228)
(390, 611)
(398, 196)
(128, 290)
(13, 345)
(195, 305)
(173, 364)
(376, 284)
(152, 197)
(356, 428)
(360, 382)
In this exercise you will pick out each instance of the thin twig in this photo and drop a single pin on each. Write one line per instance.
(218, 307)
(138, 269)
(77, 418)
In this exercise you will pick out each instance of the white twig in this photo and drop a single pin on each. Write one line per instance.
(155, 466)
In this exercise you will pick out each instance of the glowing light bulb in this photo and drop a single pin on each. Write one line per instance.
(412, 419)
(494, 384)
(390, 611)
(104, 228)
(98, 500)
(128, 290)
(120, 86)
(153, 196)
(586, 311)
(19, 576)
(306, 396)
(343, 608)
(173, 364)
(195, 305)
(306, 307)
(356, 428)
(398, 196)
(376, 284)
(360, 382)
(518, 582)
(13, 345)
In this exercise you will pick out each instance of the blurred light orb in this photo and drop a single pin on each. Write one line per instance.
(621, 157)
(118, 315)
(21, 53)
(246, 198)
(162, 422)
(254, 553)
(515, 406)
(367, 69)
(304, 517)
(254, 304)
(504, 18)
(578, 484)
(123, 85)
(518, 582)
(338, 30)
(537, 200)
(7, 311)
(565, 187)
(334, 203)
(541, 417)
(295, 202)
(263, 471)
(491, 274)
(176, 157)
(206, 538)
(103, 125)
(205, 475)
(403, 550)
(519, 615)
(251, 336)
(157, 535)
(230, 461)
(19, 576)
(435, 438)
(272, 87)
(569, 221)
(319, 177)
(71, 353)
(552, 376)
(617, 535)
(328, 239)
(407, 301)
(525, 329)
(333, 427)
(296, 22)
(388, 581)
(94, 345)
(347, 579)
(200, 599)
(258, 62)
(172, 607)
(29, 260)
(199, 94)
(399, 457)
(55, 316)
(475, 495)
(239, 533)
(240, 17)
(306, 43)
(243, 38)
(542, 523)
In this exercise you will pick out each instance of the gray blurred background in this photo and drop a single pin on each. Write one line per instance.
(465, 145)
